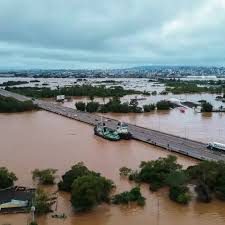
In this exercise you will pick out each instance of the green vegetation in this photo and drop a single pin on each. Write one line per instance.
(195, 86)
(149, 108)
(87, 188)
(89, 191)
(92, 107)
(76, 90)
(156, 172)
(42, 202)
(209, 177)
(206, 107)
(160, 173)
(8, 104)
(6, 178)
(46, 176)
(77, 170)
(12, 83)
(124, 171)
(164, 105)
(114, 105)
(134, 195)
(180, 194)
(81, 106)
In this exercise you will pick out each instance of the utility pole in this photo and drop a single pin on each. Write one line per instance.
(32, 213)
(157, 218)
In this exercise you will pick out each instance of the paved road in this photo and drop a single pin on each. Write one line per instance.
(169, 142)
(14, 95)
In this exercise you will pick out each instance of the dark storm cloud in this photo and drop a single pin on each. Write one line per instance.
(113, 33)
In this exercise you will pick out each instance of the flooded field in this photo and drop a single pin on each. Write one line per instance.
(142, 84)
(44, 140)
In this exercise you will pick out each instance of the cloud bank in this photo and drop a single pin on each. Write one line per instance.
(111, 34)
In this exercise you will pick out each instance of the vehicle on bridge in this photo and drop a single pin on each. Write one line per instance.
(102, 131)
(216, 146)
(60, 98)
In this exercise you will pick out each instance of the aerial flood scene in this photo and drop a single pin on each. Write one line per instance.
(112, 112)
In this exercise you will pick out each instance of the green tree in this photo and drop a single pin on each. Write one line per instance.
(206, 107)
(92, 107)
(149, 108)
(134, 195)
(89, 191)
(156, 172)
(133, 106)
(80, 106)
(76, 171)
(180, 194)
(176, 178)
(41, 202)
(163, 105)
(46, 176)
(209, 177)
(124, 171)
(6, 178)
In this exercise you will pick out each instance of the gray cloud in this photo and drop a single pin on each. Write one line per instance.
(113, 33)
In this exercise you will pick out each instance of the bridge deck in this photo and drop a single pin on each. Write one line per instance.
(170, 142)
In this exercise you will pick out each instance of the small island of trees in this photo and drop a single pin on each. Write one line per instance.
(115, 106)
(207, 176)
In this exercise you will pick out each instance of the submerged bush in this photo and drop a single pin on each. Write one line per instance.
(89, 191)
(46, 176)
(180, 194)
(7, 178)
(76, 171)
(134, 195)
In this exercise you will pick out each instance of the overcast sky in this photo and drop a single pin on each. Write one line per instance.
(111, 33)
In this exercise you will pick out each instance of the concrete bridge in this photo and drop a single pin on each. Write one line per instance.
(173, 143)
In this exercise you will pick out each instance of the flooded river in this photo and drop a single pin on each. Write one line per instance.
(44, 140)
(205, 127)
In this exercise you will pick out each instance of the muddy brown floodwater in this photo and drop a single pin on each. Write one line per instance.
(43, 140)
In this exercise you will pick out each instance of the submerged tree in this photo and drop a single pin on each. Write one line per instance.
(134, 195)
(6, 178)
(206, 107)
(124, 171)
(180, 194)
(76, 171)
(46, 176)
(80, 106)
(42, 202)
(89, 191)
(156, 172)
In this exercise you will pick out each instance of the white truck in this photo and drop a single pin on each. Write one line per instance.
(216, 146)
(60, 98)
